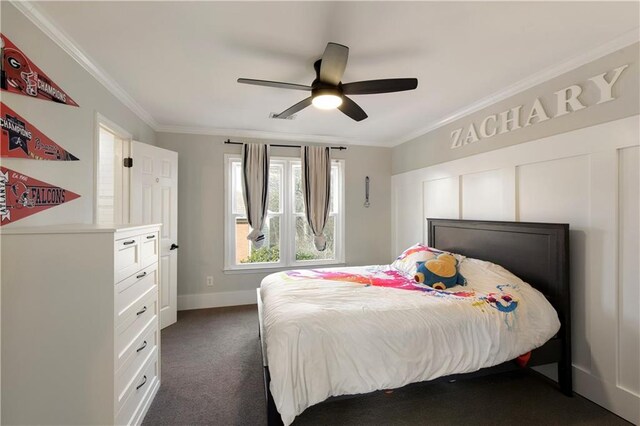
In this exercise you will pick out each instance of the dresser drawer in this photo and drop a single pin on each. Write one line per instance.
(135, 319)
(149, 248)
(131, 290)
(138, 391)
(128, 259)
(131, 359)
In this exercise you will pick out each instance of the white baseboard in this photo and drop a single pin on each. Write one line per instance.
(216, 300)
(621, 401)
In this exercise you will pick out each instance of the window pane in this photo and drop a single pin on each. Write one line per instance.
(237, 198)
(333, 204)
(297, 184)
(243, 246)
(275, 185)
(305, 248)
(270, 250)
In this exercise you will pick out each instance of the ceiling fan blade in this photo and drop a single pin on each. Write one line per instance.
(352, 109)
(297, 107)
(334, 61)
(371, 87)
(274, 84)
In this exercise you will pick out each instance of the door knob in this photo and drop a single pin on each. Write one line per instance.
(173, 246)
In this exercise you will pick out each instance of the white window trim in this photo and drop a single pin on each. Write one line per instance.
(287, 243)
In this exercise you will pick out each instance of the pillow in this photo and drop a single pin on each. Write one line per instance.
(439, 273)
(406, 262)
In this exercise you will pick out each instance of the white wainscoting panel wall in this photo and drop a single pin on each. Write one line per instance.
(588, 178)
(629, 270)
(441, 197)
(558, 191)
(483, 195)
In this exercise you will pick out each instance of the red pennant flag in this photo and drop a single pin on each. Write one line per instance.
(20, 139)
(20, 75)
(22, 196)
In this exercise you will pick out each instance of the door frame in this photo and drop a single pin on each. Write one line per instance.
(102, 121)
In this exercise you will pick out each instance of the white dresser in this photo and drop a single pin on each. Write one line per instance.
(80, 330)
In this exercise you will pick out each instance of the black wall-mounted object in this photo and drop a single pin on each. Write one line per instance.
(366, 192)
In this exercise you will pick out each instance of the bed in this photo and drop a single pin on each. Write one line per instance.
(330, 332)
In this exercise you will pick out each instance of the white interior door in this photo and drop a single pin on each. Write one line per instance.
(154, 199)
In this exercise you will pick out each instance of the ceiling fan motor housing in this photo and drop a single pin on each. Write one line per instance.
(324, 89)
(319, 88)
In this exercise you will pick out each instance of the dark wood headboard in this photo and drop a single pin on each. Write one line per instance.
(538, 253)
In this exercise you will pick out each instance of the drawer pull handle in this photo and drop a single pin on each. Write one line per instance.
(126, 243)
(144, 274)
(144, 345)
(149, 237)
(143, 383)
(142, 311)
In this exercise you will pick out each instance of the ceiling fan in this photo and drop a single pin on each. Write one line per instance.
(328, 91)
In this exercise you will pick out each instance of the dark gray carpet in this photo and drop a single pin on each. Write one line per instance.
(211, 375)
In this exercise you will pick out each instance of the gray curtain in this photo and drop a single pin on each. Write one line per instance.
(316, 190)
(255, 188)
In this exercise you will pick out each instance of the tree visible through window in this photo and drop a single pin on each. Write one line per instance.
(288, 238)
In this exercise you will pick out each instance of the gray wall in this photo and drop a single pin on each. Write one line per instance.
(201, 209)
(434, 147)
(72, 128)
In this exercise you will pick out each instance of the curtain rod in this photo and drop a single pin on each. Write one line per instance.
(229, 141)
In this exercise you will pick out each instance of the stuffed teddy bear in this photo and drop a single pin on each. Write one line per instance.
(439, 273)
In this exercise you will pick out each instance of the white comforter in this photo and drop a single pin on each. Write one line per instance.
(327, 335)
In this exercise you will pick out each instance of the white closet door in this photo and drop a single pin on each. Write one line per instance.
(154, 199)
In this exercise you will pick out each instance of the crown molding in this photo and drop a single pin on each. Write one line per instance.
(46, 25)
(526, 83)
(260, 134)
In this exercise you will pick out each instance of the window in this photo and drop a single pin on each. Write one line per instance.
(288, 238)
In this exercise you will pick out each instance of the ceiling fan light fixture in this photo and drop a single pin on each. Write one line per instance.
(327, 101)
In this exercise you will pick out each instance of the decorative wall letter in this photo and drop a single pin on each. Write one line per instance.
(472, 135)
(568, 97)
(514, 120)
(537, 111)
(604, 86)
(455, 139)
(483, 126)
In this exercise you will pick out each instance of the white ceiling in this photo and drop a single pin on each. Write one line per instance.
(180, 60)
